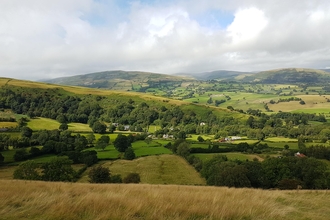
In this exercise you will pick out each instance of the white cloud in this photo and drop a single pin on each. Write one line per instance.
(40, 39)
(247, 25)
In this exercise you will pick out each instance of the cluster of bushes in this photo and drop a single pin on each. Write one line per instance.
(283, 173)
(99, 174)
(58, 169)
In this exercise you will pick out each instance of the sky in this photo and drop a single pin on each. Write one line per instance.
(42, 39)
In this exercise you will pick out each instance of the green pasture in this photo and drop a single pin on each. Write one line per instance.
(249, 141)
(153, 128)
(160, 169)
(8, 155)
(79, 127)
(194, 137)
(43, 124)
(292, 145)
(281, 139)
(141, 148)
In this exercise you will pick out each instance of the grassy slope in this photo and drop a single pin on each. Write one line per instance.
(163, 169)
(112, 201)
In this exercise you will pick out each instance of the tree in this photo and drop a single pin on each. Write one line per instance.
(63, 127)
(181, 135)
(121, 143)
(2, 159)
(116, 178)
(99, 127)
(88, 157)
(99, 174)
(129, 154)
(132, 178)
(90, 138)
(200, 139)
(183, 150)
(58, 169)
(26, 132)
(27, 170)
(61, 119)
(112, 128)
(21, 154)
(102, 142)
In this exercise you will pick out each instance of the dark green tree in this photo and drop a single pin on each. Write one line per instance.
(90, 138)
(58, 169)
(88, 157)
(21, 154)
(183, 150)
(27, 170)
(2, 159)
(121, 143)
(102, 142)
(99, 127)
(200, 139)
(63, 126)
(99, 174)
(129, 154)
(26, 132)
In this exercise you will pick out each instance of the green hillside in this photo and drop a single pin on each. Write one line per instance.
(121, 80)
(290, 76)
(217, 75)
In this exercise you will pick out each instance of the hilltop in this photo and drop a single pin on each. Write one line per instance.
(289, 76)
(120, 80)
(217, 75)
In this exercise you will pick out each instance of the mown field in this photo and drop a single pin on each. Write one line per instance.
(49, 200)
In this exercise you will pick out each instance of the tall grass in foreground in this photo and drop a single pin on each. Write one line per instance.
(46, 200)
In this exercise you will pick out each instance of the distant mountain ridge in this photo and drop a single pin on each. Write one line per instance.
(290, 75)
(118, 80)
(217, 75)
(141, 81)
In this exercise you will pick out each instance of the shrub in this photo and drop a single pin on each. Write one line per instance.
(132, 178)
(99, 174)
(129, 154)
(27, 171)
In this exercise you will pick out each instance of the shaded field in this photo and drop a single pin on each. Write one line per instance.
(142, 201)
(230, 156)
(163, 169)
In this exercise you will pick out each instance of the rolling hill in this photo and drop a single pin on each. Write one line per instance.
(121, 80)
(289, 76)
(217, 75)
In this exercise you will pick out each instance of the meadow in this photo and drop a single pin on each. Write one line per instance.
(53, 200)
(160, 169)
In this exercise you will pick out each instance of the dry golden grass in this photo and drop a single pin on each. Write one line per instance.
(312, 102)
(46, 200)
